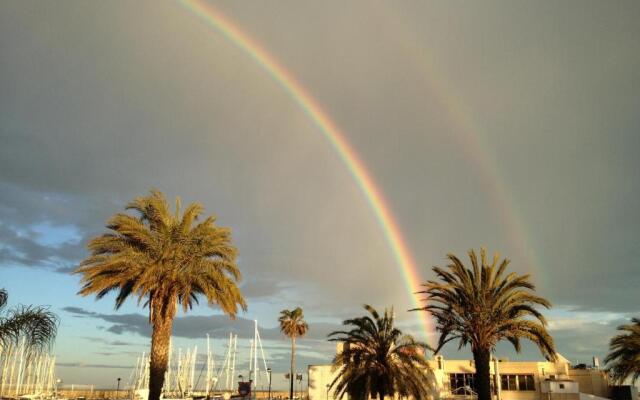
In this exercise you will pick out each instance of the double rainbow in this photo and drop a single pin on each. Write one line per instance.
(310, 106)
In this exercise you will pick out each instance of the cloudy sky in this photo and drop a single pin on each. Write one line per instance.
(510, 125)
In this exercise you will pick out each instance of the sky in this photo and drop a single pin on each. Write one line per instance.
(509, 125)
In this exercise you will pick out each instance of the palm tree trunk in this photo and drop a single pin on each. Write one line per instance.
(293, 366)
(160, 338)
(482, 358)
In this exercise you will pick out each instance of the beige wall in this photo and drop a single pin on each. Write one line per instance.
(589, 381)
(319, 377)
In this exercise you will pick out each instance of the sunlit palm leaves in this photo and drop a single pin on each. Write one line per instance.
(624, 359)
(480, 306)
(36, 325)
(378, 359)
(162, 256)
(292, 323)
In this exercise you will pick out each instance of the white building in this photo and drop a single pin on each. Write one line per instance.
(517, 380)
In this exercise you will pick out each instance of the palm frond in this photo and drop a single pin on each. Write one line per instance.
(37, 325)
(623, 360)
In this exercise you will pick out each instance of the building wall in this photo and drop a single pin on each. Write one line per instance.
(591, 382)
(319, 377)
(588, 381)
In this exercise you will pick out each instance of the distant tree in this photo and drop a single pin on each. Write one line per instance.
(479, 306)
(166, 260)
(623, 361)
(36, 325)
(293, 325)
(379, 360)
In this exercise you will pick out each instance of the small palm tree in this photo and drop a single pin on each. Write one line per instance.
(166, 260)
(480, 307)
(379, 360)
(36, 325)
(624, 359)
(293, 325)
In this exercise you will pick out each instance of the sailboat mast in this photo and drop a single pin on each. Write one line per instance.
(233, 364)
(255, 354)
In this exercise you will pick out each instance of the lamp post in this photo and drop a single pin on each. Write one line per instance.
(328, 391)
(269, 371)
(118, 389)
(299, 379)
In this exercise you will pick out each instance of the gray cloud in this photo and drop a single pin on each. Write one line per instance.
(79, 364)
(22, 249)
(100, 340)
(195, 326)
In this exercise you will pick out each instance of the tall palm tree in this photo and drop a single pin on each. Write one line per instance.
(35, 324)
(480, 306)
(379, 360)
(293, 325)
(166, 260)
(624, 359)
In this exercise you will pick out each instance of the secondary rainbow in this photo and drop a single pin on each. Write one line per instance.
(356, 167)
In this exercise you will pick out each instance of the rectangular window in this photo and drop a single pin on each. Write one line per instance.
(464, 384)
(508, 382)
(461, 384)
(526, 383)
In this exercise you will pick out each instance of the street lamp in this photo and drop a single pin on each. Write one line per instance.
(118, 389)
(299, 379)
(328, 391)
(269, 371)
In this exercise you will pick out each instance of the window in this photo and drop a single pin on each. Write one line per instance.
(508, 382)
(461, 383)
(562, 386)
(504, 385)
(517, 382)
(526, 383)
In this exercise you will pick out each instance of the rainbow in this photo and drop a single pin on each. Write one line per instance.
(468, 136)
(310, 106)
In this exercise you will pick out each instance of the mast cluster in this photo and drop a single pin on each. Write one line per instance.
(187, 374)
(25, 371)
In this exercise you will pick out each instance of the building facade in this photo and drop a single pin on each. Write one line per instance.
(510, 380)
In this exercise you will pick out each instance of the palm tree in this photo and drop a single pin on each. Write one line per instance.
(165, 259)
(35, 324)
(293, 325)
(480, 306)
(624, 358)
(379, 360)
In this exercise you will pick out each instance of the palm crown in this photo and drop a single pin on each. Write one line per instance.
(624, 358)
(163, 258)
(378, 359)
(35, 324)
(292, 323)
(481, 305)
